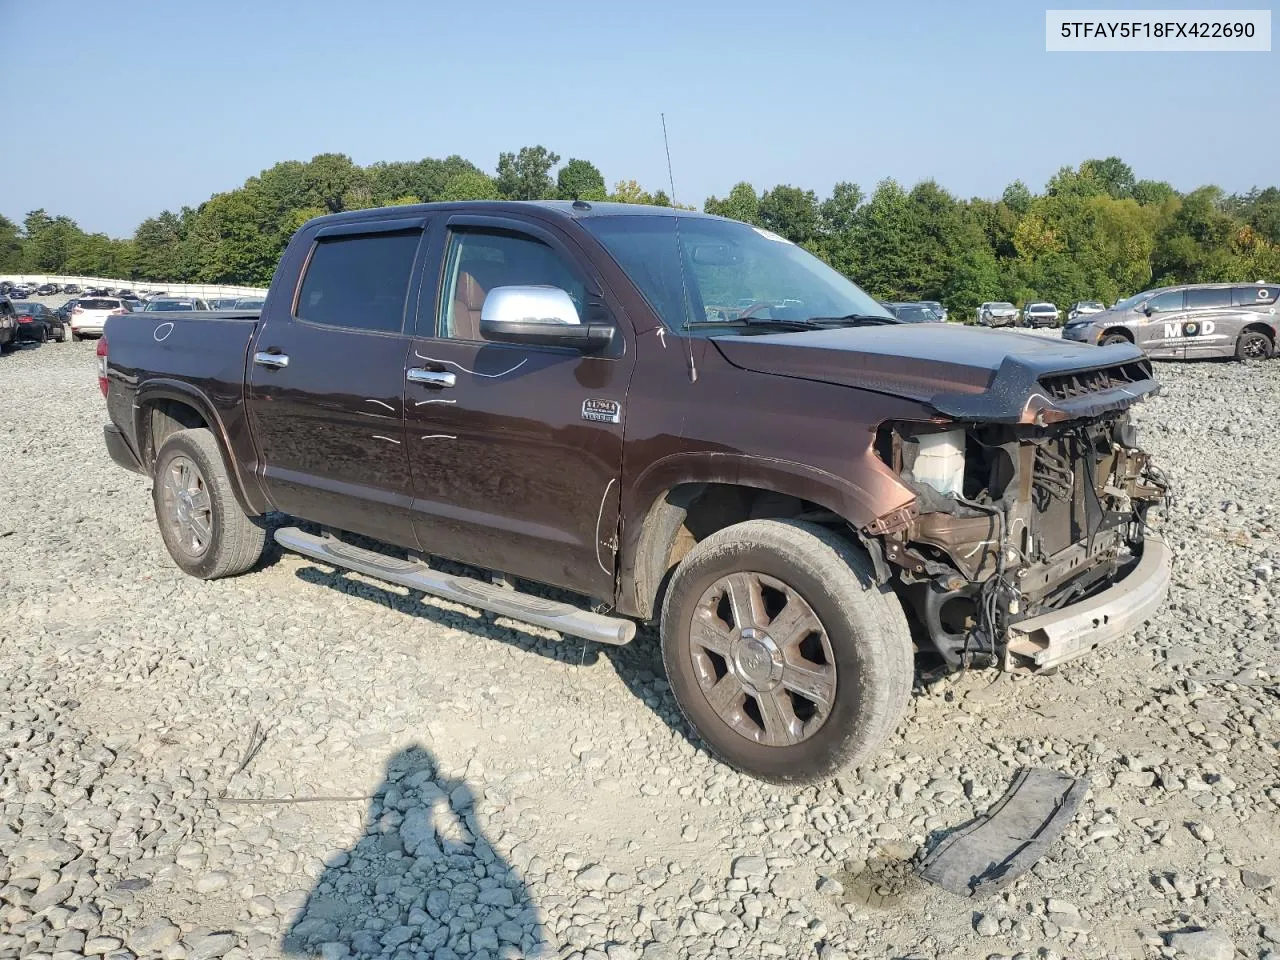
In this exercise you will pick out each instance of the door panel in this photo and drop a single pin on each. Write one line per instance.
(326, 379)
(507, 473)
(330, 428)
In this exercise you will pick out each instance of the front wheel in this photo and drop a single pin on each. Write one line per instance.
(203, 527)
(783, 653)
(1253, 345)
(1113, 338)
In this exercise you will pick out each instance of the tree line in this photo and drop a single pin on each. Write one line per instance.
(1094, 232)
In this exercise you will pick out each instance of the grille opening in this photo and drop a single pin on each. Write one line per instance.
(1068, 386)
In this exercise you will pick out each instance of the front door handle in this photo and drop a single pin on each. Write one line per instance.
(433, 378)
(273, 360)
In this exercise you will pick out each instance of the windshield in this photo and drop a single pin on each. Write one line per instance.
(1092, 305)
(1041, 308)
(1133, 301)
(1001, 306)
(710, 277)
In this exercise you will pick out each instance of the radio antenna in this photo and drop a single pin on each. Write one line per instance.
(670, 178)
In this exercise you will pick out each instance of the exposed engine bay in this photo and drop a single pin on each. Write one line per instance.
(1012, 521)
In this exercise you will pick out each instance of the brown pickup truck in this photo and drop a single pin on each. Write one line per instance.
(675, 417)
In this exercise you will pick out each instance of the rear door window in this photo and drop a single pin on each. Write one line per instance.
(1255, 295)
(359, 282)
(1207, 299)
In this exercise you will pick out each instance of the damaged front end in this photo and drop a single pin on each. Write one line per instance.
(1027, 542)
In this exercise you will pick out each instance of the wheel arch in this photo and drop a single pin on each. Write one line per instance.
(1260, 326)
(163, 407)
(1117, 331)
(701, 499)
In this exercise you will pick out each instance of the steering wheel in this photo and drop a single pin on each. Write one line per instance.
(755, 307)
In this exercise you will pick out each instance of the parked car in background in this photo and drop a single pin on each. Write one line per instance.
(37, 323)
(46, 290)
(249, 303)
(677, 478)
(19, 292)
(1192, 320)
(173, 304)
(8, 324)
(89, 315)
(1040, 314)
(132, 301)
(64, 312)
(222, 303)
(71, 288)
(913, 312)
(1083, 308)
(937, 308)
(5, 287)
(998, 314)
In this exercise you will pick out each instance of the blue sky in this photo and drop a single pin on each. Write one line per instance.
(134, 106)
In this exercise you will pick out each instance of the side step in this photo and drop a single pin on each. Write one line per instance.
(503, 601)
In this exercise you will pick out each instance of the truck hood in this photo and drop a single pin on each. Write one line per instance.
(963, 372)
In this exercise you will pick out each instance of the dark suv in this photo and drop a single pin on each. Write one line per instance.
(1195, 320)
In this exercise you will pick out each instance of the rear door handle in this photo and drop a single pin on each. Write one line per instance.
(432, 378)
(273, 360)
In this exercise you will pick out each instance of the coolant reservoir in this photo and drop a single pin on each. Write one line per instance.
(940, 462)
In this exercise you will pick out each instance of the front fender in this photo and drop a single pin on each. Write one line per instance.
(645, 544)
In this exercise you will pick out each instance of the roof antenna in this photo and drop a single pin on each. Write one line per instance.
(670, 179)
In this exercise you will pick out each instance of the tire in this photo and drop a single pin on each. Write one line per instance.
(861, 645)
(216, 539)
(76, 337)
(1253, 345)
(62, 335)
(44, 335)
(1111, 338)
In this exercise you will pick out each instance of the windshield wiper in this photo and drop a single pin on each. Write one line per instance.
(852, 319)
(757, 322)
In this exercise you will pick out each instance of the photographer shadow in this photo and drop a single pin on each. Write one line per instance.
(422, 881)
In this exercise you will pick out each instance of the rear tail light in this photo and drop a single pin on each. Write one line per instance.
(102, 365)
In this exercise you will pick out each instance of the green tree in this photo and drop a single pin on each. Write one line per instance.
(1153, 192)
(791, 212)
(10, 246)
(580, 180)
(1017, 197)
(1114, 174)
(527, 175)
(470, 185)
(741, 204)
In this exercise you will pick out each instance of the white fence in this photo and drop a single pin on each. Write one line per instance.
(202, 290)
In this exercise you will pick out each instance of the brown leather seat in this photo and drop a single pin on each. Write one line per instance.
(468, 300)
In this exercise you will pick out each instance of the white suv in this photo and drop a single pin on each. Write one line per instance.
(89, 315)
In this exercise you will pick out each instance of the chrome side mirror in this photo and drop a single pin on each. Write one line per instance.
(540, 316)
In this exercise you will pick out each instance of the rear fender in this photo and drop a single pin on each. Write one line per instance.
(152, 392)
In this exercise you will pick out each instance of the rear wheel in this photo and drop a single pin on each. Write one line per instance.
(203, 527)
(783, 653)
(76, 337)
(1253, 345)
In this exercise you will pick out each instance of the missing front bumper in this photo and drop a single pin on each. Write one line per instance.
(1052, 638)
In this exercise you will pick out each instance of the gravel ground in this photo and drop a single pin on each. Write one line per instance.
(430, 782)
